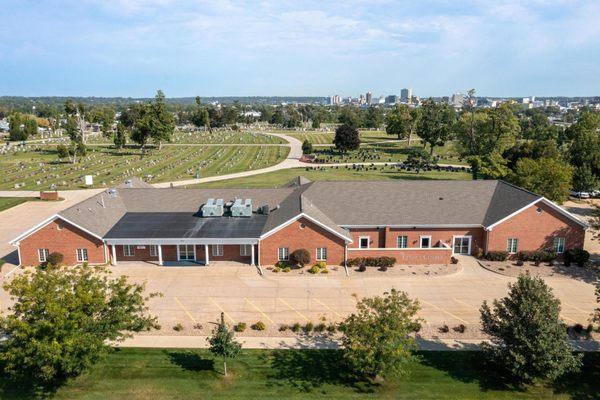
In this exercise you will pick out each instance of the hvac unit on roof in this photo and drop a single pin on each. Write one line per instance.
(239, 209)
(213, 208)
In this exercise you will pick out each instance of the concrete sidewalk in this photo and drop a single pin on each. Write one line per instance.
(314, 342)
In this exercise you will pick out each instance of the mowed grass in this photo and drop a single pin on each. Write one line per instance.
(9, 202)
(217, 136)
(326, 137)
(341, 173)
(298, 374)
(39, 168)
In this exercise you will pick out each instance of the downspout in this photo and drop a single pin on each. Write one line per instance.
(346, 258)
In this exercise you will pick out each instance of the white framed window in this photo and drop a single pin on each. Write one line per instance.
(245, 250)
(82, 255)
(153, 250)
(364, 242)
(559, 244)
(512, 245)
(402, 242)
(321, 253)
(128, 250)
(283, 254)
(217, 250)
(425, 242)
(43, 254)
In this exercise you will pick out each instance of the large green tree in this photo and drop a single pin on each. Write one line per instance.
(223, 344)
(373, 117)
(377, 339)
(548, 177)
(64, 319)
(154, 122)
(584, 148)
(435, 123)
(528, 339)
(346, 138)
(400, 122)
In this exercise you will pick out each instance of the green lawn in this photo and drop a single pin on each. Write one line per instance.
(281, 177)
(214, 137)
(366, 136)
(297, 374)
(9, 202)
(39, 168)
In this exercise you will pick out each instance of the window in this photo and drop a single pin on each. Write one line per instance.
(425, 242)
(559, 244)
(245, 250)
(153, 250)
(321, 253)
(186, 252)
(82, 255)
(402, 242)
(512, 245)
(217, 250)
(283, 254)
(128, 250)
(363, 242)
(43, 254)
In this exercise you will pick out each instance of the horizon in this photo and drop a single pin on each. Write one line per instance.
(128, 48)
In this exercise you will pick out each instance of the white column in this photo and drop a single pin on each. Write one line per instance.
(160, 260)
(258, 254)
(252, 259)
(114, 255)
(206, 254)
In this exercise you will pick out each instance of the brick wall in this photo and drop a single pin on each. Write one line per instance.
(416, 256)
(536, 230)
(62, 237)
(295, 237)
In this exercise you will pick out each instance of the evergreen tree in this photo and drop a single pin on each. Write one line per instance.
(223, 344)
(307, 147)
(346, 138)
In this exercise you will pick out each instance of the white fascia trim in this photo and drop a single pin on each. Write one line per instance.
(398, 248)
(175, 241)
(415, 226)
(303, 215)
(79, 227)
(545, 201)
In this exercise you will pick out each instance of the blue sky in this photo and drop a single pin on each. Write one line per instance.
(220, 48)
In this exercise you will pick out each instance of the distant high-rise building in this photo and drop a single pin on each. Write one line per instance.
(362, 99)
(391, 99)
(334, 100)
(369, 98)
(406, 95)
(457, 100)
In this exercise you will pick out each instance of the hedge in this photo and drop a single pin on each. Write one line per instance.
(380, 262)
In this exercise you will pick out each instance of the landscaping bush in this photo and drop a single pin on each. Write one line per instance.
(178, 327)
(362, 268)
(460, 328)
(325, 271)
(578, 256)
(444, 328)
(478, 252)
(308, 328)
(286, 269)
(520, 263)
(496, 256)
(314, 269)
(2, 262)
(453, 260)
(321, 264)
(283, 327)
(536, 256)
(320, 327)
(259, 326)
(300, 257)
(380, 262)
(282, 264)
(296, 327)
(55, 258)
(276, 270)
(384, 268)
(239, 327)
(197, 326)
(331, 328)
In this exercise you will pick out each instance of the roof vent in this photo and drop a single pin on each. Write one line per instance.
(239, 209)
(213, 208)
(112, 192)
(264, 209)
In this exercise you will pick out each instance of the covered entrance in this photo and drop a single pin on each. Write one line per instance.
(461, 245)
(186, 252)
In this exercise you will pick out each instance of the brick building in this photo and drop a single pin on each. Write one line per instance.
(417, 222)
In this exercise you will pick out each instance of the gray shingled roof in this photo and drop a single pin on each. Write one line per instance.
(334, 204)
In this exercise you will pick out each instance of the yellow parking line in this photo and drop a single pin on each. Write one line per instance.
(293, 309)
(259, 310)
(185, 310)
(221, 308)
(326, 306)
(444, 311)
(570, 319)
(577, 308)
(463, 303)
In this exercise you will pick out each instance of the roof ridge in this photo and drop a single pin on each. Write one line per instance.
(518, 187)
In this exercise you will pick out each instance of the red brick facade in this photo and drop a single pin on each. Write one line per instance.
(414, 256)
(59, 236)
(535, 229)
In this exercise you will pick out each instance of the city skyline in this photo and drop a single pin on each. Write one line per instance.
(132, 47)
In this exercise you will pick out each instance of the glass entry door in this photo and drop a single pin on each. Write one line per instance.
(186, 252)
(462, 245)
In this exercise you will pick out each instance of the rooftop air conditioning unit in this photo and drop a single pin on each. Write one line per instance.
(239, 209)
(213, 208)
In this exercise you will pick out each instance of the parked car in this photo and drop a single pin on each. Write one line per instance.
(579, 194)
(595, 193)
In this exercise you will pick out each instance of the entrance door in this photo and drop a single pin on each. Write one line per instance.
(462, 245)
(186, 252)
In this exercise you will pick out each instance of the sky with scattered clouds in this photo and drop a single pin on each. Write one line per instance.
(283, 47)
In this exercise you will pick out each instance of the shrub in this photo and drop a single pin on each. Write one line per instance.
(239, 327)
(444, 328)
(331, 328)
(55, 258)
(453, 260)
(178, 327)
(197, 326)
(478, 253)
(460, 328)
(380, 262)
(496, 255)
(383, 268)
(578, 256)
(282, 265)
(578, 329)
(296, 327)
(2, 262)
(314, 269)
(362, 268)
(321, 264)
(320, 327)
(536, 256)
(300, 257)
(308, 328)
(287, 269)
(259, 326)
(520, 263)
(283, 327)
(325, 271)
(276, 270)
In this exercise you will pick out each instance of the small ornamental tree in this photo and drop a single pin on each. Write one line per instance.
(529, 341)
(418, 159)
(55, 259)
(223, 344)
(307, 147)
(64, 320)
(377, 339)
(346, 138)
(300, 257)
(595, 315)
